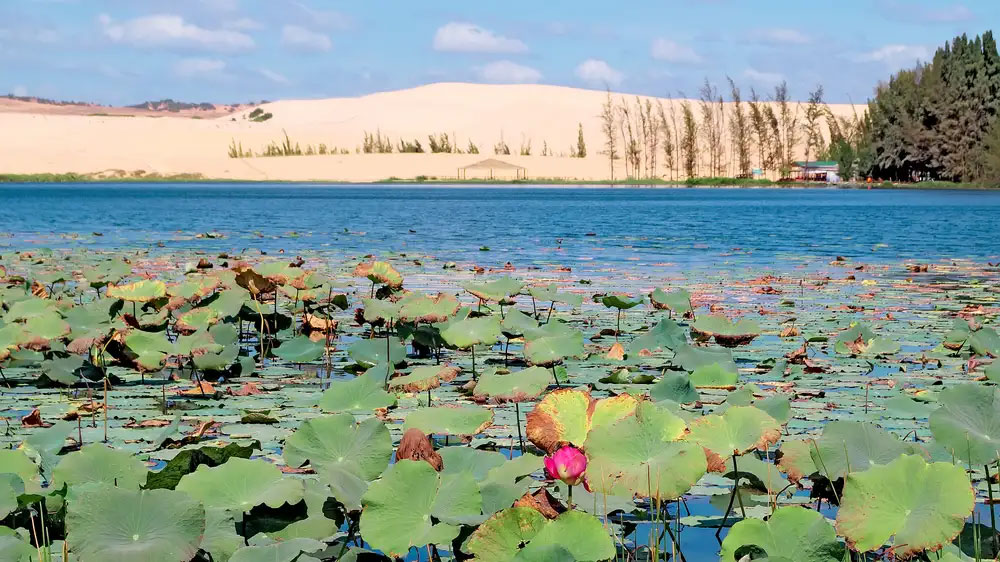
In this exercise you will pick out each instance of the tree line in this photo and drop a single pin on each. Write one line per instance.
(938, 120)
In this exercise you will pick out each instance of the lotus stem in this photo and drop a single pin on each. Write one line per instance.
(105, 409)
(570, 496)
(619, 327)
(517, 413)
(473, 362)
(428, 398)
(555, 377)
(993, 517)
(534, 310)
(549, 315)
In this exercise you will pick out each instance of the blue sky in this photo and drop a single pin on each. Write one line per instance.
(127, 51)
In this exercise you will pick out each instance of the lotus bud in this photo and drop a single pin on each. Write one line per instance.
(567, 464)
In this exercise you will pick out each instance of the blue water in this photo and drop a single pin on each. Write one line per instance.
(520, 224)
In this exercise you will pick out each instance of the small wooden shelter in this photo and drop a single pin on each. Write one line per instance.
(495, 168)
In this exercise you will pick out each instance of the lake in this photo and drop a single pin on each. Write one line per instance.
(587, 227)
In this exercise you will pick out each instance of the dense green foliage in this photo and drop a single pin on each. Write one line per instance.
(939, 119)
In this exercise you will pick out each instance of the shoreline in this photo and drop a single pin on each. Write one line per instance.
(728, 183)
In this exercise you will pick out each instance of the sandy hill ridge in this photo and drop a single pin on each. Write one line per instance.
(49, 139)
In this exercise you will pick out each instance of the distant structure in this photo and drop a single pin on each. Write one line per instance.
(493, 169)
(823, 170)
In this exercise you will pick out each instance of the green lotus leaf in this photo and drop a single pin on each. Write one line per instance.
(580, 535)
(985, 342)
(621, 302)
(501, 536)
(424, 378)
(241, 484)
(30, 307)
(370, 352)
(738, 430)
(917, 505)
(726, 333)
(219, 360)
(678, 300)
(552, 343)
(139, 292)
(519, 386)
(108, 523)
(640, 455)
(300, 349)
(676, 387)
(363, 393)
(854, 446)
(195, 344)
(194, 288)
(498, 290)
(714, 376)
(379, 272)
(551, 293)
(413, 505)
(283, 551)
(334, 441)
(968, 422)
(279, 272)
(417, 307)
(88, 320)
(220, 539)
(453, 420)
(665, 335)
(689, 358)
(472, 331)
(568, 415)
(516, 323)
(15, 461)
(376, 309)
(197, 319)
(11, 487)
(754, 473)
(229, 302)
(792, 532)
(99, 463)
(13, 548)
(44, 446)
(49, 326)
(63, 370)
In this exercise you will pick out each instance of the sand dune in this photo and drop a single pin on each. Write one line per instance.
(56, 142)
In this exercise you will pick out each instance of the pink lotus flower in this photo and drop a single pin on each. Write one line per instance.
(566, 464)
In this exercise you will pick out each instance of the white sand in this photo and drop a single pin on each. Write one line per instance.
(40, 139)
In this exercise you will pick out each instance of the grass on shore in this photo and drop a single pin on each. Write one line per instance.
(72, 177)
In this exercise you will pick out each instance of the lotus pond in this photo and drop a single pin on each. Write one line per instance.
(248, 374)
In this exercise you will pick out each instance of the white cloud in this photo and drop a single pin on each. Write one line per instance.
(598, 72)
(273, 76)
(896, 56)
(199, 68)
(243, 24)
(20, 91)
(460, 37)
(507, 72)
(167, 30)
(302, 39)
(763, 77)
(323, 18)
(780, 35)
(672, 51)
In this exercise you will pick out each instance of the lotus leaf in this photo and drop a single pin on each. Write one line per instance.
(379, 272)
(138, 292)
(968, 422)
(574, 535)
(44, 446)
(792, 532)
(11, 487)
(417, 307)
(108, 523)
(714, 376)
(376, 309)
(621, 302)
(552, 343)
(519, 386)
(337, 442)
(516, 323)
(362, 393)
(640, 455)
(472, 331)
(99, 463)
(738, 430)
(373, 351)
(454, 420)
(551, 293)
(424, 378)
(399, 507)
(674, 386)
(678, 301)
(498, 290)
(568, 415)
(689, 358)
(283, 551)
(726, 333)
(29, 308)
(240, 484)
(918, 505)
(850, 446)
(48, 326)
(197, 319)
(300, 349)
(665, 335)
